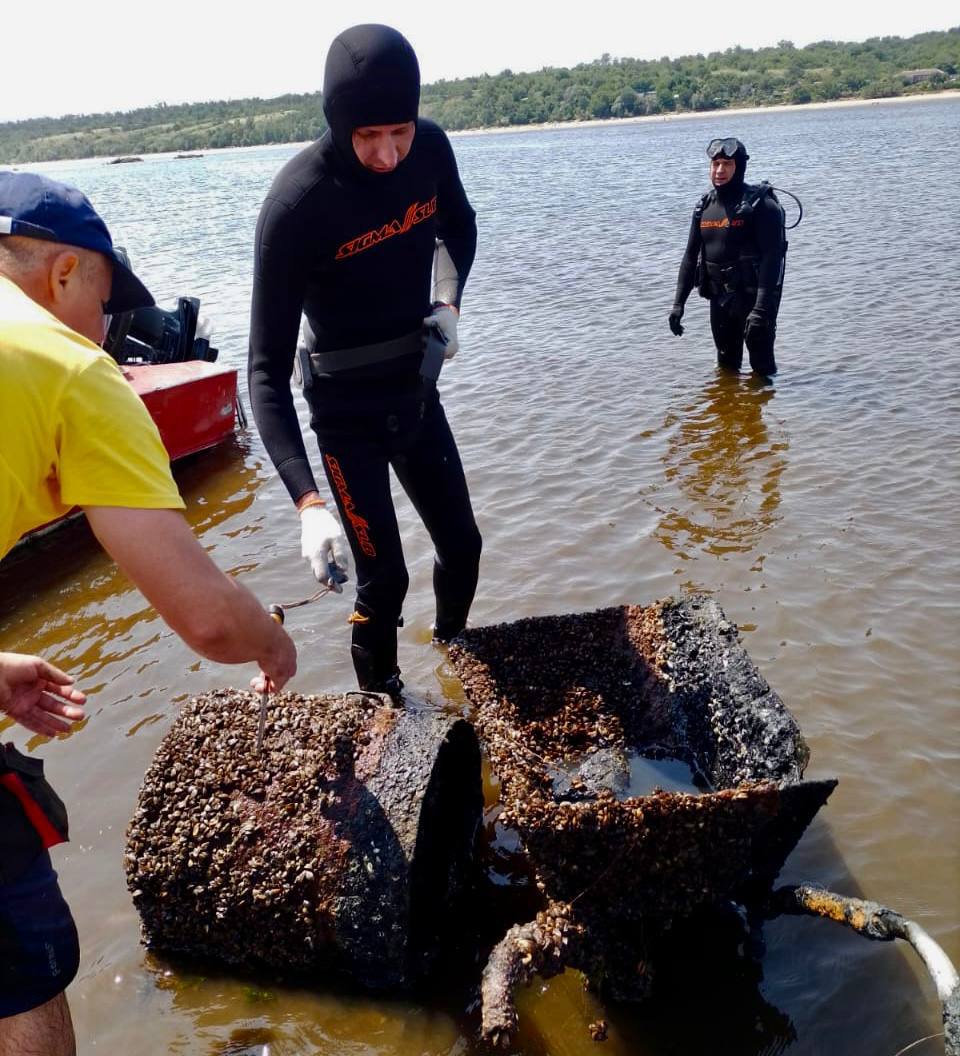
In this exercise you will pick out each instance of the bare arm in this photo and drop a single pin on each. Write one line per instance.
(211, 612)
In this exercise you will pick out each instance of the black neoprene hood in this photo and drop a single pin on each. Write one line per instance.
(372, 77)
(734, 187)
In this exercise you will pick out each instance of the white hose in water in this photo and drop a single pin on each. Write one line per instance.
(938, 964)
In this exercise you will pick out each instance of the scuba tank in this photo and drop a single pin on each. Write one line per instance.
(745, 209)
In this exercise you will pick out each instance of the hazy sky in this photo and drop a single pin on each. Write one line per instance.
(104, 55)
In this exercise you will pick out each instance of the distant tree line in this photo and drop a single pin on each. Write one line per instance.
(607, 88)
(187, 127)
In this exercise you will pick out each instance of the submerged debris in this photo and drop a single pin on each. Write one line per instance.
(337, 848)
(541, 947)
(565, 705)
(879, 922)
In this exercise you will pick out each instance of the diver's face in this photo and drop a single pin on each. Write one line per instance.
(722, 170)
(381, 148)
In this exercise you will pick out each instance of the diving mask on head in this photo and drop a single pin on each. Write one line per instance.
(726, 148)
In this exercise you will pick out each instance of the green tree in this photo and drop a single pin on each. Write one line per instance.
(604, 88)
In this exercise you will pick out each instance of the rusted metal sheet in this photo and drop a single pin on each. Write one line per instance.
(336, 849)
(571, 709)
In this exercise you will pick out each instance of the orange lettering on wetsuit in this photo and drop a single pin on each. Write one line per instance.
(415, 214)
(360, 526)
(725, 222)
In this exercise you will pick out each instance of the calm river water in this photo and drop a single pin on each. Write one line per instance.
(609, 463)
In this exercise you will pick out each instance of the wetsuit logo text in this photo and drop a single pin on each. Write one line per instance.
(361, 527)
(725, 222)
(415, 214)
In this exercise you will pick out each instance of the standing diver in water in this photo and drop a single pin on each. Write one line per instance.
(350, 234)
(735, 256)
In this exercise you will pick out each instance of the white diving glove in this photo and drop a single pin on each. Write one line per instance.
(323, 545)
(444, 317)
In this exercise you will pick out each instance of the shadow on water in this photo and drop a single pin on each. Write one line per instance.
(725, 459)
(219, 484)
(723, 990)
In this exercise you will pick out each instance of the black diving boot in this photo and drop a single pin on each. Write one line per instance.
(453, 606)
(445, 631)
(376, 673)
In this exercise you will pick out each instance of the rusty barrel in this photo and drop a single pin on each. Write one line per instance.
(340, 847)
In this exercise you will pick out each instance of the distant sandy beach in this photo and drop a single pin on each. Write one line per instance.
(545, 127)
(726, 113)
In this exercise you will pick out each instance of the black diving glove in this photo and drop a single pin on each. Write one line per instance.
(674, 320)
(756, 324)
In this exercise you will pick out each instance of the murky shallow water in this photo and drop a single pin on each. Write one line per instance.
(608, 463)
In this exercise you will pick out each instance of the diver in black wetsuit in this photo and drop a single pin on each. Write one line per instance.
(735, 256)
(351, 233)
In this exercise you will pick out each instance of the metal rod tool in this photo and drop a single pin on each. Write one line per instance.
(276, 613)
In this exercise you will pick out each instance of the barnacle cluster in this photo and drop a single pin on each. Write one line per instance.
(301, 857)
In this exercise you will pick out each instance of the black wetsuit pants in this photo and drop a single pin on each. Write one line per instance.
(728, 320)
(357, 453)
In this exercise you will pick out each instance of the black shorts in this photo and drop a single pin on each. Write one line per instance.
(39, 949)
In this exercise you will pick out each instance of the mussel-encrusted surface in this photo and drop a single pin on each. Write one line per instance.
(299, 858)
(669, 680)
(671, 675)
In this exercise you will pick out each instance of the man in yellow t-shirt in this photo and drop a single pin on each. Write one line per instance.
(73, 433)
(58, 447)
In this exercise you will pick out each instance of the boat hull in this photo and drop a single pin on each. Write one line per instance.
(193, 404)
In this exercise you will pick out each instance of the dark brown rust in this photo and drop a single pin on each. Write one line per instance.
(336, 849)
(585, 692)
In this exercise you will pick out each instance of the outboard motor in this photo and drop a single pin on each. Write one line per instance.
(156, 335)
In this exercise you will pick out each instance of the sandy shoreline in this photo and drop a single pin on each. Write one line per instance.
(687, 115)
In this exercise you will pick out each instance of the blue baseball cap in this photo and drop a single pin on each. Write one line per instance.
(35, 206)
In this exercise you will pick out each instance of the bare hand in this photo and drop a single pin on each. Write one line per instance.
(38, 695)
(279, 662)
(262, 684)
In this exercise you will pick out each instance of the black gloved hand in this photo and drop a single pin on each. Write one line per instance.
(756, 323)
(674, 320)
